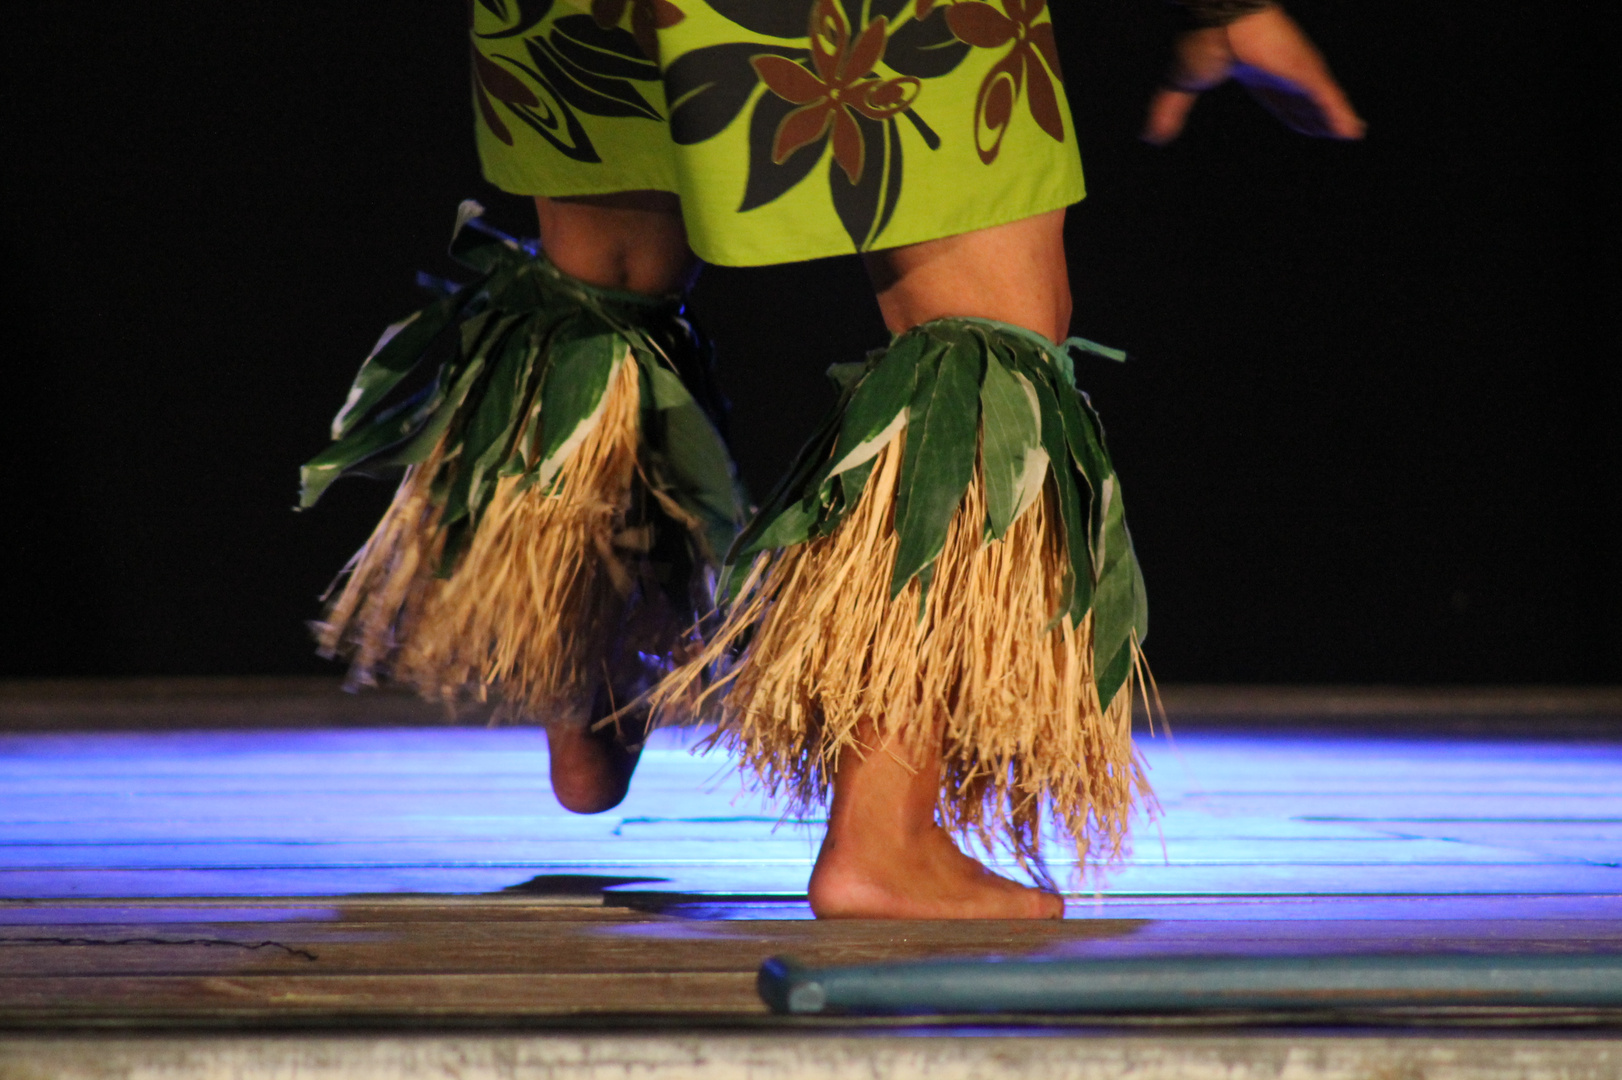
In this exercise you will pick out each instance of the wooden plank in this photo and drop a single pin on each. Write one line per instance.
(1284, 911)
(1545, 711)
(150, 704)
(300, 881)
(681, 945)
(1238, 878)
(423, 959)
(649, 944)
(472, 995)
(298, 701)
(406, 908)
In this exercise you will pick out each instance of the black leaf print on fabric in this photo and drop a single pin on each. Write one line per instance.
(774, 18)
(589, 93)
(707, 88)
(892, 176)
(927, 133)
(865, 207)
(545, 120)
(530, 12)
(768, 181)
(612, 53)
(792, 18)
(534, 102)
(925, 48)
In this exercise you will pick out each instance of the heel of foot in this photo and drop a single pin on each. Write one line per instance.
(590, 770)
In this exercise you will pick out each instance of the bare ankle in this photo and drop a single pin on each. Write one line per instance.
(886, 857)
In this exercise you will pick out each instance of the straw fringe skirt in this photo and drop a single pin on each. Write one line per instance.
(537, 604)
(986, 676)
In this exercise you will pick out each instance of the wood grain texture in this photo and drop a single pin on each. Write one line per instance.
(509, 947)
(362, 996)
(369, 961)
(348, 875)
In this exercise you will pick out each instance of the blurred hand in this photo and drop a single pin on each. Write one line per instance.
(1270, 56)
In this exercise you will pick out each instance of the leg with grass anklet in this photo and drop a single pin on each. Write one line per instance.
(885, 854)
(934, 619)
(631, 240)
(565, 492)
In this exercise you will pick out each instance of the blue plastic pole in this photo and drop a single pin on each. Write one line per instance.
(1176, 984)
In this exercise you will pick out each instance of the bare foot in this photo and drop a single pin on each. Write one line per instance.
(592, 766)
(591, 770)
(925, 878)
(884, 857)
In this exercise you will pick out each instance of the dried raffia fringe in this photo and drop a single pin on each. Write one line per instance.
(537, 602)
(985, 676)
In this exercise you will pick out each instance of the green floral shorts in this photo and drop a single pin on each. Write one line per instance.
(791, 129)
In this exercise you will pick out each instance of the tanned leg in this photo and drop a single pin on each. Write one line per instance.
(632, 240)
(884, 855)
(1014, 273)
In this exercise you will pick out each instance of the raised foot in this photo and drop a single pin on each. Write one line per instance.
(925, 878)
(591, 770)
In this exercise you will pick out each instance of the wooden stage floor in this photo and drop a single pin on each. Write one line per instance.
(183, 877)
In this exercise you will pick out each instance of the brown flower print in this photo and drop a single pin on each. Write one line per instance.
(984, 27)
(839, 83)
(648, 17)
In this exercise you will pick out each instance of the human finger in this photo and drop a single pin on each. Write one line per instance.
(1168, 112)
(1337, 117)
(1284, 70)
(1319, 110)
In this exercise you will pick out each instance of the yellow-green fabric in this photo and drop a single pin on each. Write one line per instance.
(791, 129)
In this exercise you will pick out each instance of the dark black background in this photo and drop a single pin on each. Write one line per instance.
(1368, 432)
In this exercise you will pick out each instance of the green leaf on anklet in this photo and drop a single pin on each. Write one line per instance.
(938, 461)
(1012, 460)
(572, 395)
